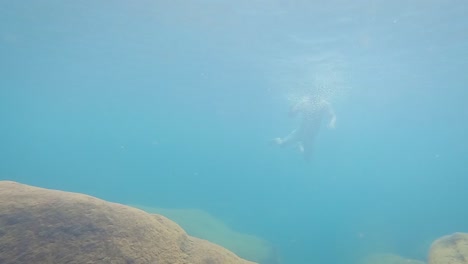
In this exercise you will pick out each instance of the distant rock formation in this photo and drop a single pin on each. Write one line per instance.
(48, 226)
(388, 259)
(452, 249)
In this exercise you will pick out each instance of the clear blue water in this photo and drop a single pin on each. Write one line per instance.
(172, 104)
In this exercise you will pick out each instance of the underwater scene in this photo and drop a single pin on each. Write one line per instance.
(285, 131)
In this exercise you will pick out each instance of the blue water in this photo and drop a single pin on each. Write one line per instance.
(173, 103)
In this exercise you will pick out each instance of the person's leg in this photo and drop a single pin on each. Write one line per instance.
(307, 151)
(307, 145)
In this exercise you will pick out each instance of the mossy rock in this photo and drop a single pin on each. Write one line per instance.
(44, 226)
(451, 249)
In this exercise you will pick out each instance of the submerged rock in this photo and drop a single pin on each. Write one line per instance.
(388, 259)
(48, 226)
(201, 224)
(452, 249)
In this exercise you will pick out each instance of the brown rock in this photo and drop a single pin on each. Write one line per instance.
(452, 249)
(48, 226)
(203, 225)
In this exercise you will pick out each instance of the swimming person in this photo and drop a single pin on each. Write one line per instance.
(313, 111)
